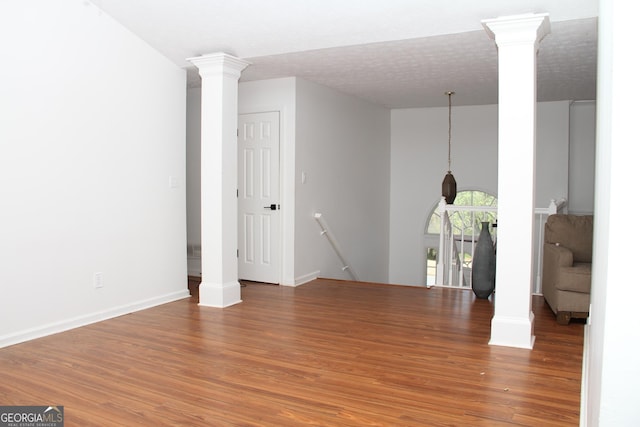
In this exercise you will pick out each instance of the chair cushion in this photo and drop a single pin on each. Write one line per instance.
(574, 232)
(575, 279)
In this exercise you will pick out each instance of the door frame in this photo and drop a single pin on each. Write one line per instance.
(287, 193)
(279, 186)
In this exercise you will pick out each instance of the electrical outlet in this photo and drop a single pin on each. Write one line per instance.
(97, 280)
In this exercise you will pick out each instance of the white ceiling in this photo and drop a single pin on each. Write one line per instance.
(395, 53)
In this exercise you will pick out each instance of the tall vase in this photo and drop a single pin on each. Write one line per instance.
(483, 270)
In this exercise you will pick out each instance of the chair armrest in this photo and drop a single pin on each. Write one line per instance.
(554, 258)
(557, 256)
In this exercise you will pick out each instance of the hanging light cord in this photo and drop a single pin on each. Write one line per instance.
(450, 93)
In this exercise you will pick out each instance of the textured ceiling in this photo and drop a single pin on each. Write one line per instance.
(417, 72)
(399, 54)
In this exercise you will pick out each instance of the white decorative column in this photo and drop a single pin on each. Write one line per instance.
(219, 177)
(517, 38)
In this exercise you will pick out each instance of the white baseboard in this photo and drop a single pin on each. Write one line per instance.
(305, 278)
(76, 322)
(219, 295)
(584, 390)
(509, 331)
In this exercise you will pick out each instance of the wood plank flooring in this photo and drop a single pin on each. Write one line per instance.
(328, 353)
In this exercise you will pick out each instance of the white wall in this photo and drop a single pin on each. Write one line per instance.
(552, 152)
(92, 125)
(419, 162)
(279, 95)
(419, 147)
(194, 100)
(612, 372)
(194, 241)
(342, 145)
(582, 152)
(253, 97)
(316, 121)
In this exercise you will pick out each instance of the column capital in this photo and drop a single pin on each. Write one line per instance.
(526, 28)
(215, 64)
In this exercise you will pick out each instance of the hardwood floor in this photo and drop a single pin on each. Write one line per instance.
(328, 353)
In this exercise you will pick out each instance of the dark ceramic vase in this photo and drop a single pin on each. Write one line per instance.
(483, 270)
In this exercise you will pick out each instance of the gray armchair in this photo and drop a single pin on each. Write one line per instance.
(566, 274)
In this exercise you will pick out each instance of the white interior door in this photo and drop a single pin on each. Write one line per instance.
(259, 197)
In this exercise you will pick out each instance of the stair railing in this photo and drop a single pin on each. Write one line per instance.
(452, 253)
(450, 270)
(449, 265)
(336, 247)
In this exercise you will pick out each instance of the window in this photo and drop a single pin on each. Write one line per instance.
(463, 223)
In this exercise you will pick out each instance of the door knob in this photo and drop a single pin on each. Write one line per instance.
(273, 207)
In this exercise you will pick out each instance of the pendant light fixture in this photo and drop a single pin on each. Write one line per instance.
(449, 186)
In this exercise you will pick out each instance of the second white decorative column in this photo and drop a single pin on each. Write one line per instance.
(219, 177)
(517, 38)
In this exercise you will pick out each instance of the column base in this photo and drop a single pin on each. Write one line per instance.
(512, 331)
(219, 294)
